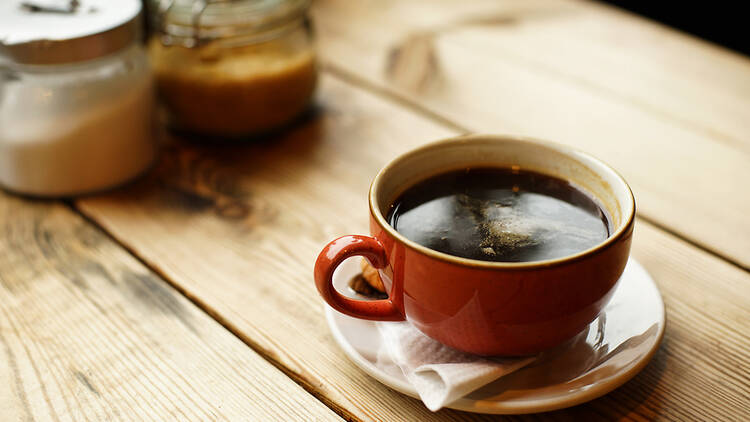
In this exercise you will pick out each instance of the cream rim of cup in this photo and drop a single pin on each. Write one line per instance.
(597, 176)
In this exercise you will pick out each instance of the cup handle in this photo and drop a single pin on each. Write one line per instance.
(334, 254)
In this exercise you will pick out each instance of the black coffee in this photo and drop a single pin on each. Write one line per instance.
(499, 214)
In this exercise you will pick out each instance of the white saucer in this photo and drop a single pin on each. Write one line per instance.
(613, 349)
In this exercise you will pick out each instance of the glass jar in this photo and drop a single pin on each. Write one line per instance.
(76, 97)
(233, 68)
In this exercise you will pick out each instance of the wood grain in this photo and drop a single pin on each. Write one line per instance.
(252, 267)
(670, 112)
(88, 333)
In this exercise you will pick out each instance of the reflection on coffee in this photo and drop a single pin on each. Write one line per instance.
(499, 214)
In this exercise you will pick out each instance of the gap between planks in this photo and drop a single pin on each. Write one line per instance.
(213, 314)
(417, 108)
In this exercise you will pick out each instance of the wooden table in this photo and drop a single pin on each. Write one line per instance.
(189, 294)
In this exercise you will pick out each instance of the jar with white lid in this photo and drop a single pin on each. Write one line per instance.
(232, 68)
(76, 96)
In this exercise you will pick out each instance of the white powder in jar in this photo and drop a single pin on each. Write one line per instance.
(75, 138)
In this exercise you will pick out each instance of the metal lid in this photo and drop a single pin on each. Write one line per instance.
(66, 31)
(190, 22)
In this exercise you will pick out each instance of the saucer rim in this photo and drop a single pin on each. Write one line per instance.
(512, 407)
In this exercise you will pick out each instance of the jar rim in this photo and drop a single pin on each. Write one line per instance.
(195, 21)
(81, 65)
(39, 35)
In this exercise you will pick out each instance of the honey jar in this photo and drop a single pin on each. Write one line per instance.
(233, 68)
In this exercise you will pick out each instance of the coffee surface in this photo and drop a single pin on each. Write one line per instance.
(499, 214)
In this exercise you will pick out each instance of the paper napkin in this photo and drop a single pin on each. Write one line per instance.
(440, 374)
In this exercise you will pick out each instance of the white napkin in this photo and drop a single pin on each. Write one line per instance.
(440, 374)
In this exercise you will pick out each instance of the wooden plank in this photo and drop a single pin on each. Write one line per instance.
(239, 228)
(669, 112)
(88, 333)
(682, 79)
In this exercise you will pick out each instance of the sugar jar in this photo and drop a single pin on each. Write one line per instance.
(233, 68)
(76, 96)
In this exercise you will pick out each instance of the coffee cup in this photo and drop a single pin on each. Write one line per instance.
(476, 306)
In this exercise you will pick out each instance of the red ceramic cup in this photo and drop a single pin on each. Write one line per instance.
(486, 308)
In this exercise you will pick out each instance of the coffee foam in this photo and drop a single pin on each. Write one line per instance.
(509, 224)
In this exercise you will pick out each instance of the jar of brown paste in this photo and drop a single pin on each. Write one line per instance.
(232, 68)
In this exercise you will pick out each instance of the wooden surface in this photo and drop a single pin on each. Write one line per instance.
(189, 294)
(669, 112)
(88, 333)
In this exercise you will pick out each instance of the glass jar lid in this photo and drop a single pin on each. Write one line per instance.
(192, 22)
(66, 31)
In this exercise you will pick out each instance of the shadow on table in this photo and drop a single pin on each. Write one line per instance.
(311, 116)
(214, 175)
